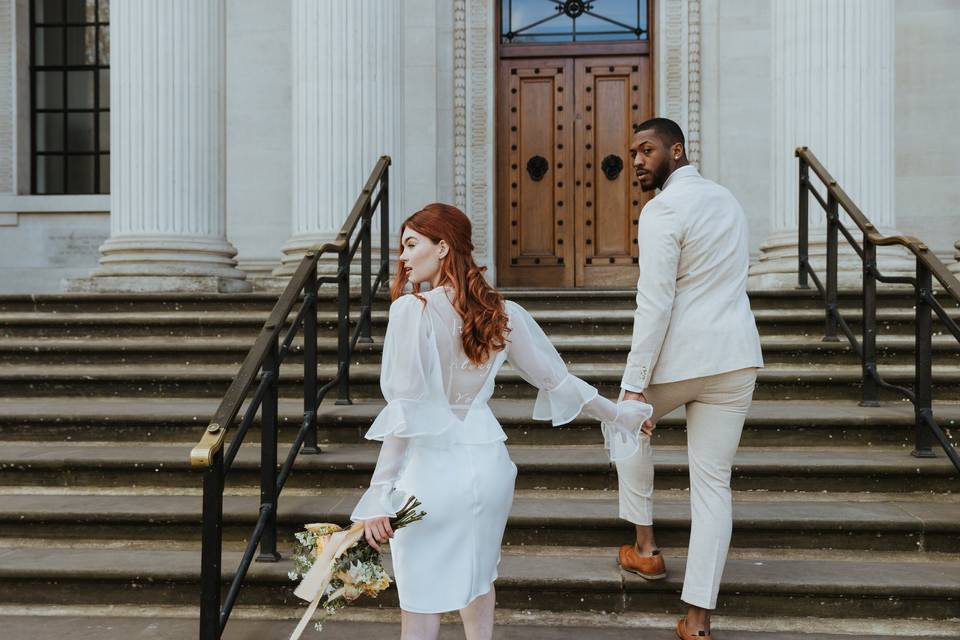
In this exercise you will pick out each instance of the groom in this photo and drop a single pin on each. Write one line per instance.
(695, 344)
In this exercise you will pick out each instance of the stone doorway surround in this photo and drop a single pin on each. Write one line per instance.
(676, 59)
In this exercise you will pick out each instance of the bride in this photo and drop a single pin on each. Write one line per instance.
(441, 441)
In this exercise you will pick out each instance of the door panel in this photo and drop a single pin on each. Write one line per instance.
(535, 236)
(610, 100)
(568, 201)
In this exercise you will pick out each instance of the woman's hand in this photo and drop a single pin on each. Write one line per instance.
(377, 531)
(647, 427)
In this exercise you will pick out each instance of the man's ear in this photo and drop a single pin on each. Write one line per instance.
(676, 151)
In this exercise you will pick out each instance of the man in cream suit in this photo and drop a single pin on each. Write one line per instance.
(695, 344)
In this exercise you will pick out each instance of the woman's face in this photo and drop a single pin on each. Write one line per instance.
(421, 257)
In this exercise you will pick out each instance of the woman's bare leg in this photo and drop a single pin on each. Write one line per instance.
(419, 626)
(478, 617)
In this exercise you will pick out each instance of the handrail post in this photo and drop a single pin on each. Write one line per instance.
(803, 244)
(310, 362)
(343, 325)
(366, 300)
(268, 455)
(923, 376)
(871, 392)
(833, 229)
(211, 550)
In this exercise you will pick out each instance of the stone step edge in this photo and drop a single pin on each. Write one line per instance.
(554, 571)
(528, 511)
(116, 410)
(371, 372)
(361, 458)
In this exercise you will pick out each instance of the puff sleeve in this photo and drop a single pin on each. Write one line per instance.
(415, 406)
(562, 396)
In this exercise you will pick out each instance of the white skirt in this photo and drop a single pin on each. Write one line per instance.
(449, 558)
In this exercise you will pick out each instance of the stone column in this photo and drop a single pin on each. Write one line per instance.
(832, 78)
(167, 183)
(347, 112)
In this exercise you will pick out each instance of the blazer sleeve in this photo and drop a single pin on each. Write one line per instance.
(659, 241)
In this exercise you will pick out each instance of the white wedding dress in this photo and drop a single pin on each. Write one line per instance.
(442, 444)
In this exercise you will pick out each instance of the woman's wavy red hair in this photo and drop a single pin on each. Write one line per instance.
(480, 306)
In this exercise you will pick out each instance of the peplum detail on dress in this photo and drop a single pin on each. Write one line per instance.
(435, 424)
(564, 402)
(403, 418)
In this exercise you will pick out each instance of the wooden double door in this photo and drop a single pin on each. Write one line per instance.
(568, 200)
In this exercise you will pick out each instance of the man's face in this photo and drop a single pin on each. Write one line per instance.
(651, 159)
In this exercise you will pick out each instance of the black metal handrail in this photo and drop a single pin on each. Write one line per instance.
(263, 362)
(928, 267)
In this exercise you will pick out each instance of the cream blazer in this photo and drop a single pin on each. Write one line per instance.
(693, 316)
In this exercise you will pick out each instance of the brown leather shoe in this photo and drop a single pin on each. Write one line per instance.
(648, 567)
(683, 634)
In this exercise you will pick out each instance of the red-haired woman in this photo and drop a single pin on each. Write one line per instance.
(441, 441)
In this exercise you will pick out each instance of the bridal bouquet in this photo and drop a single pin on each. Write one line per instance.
(336, 565)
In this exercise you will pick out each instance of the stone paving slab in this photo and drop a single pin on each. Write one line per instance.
(80, 628)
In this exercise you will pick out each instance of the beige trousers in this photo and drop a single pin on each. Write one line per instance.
(716, 409)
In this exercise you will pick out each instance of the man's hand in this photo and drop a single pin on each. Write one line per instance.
(647, 427)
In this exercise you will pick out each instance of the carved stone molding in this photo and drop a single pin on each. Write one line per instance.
(473, 108)
(677, 60)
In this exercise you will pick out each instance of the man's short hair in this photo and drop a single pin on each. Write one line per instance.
(665, 128)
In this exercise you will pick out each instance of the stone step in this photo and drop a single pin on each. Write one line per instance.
(551, 467)
(131, 419)
(608, 349)
(249, 322)
(531, 298)
(851, 586)
(570, 518)
(177, 623)
(777, 381)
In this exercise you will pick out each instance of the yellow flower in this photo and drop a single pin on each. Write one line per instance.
(323, 531)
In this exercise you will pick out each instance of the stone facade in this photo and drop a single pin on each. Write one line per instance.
(714, 73)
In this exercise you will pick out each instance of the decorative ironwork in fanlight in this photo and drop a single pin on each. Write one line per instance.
(611, 166)
(554, 21)
(537, 167)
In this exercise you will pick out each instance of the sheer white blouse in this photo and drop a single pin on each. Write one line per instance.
(434, 391)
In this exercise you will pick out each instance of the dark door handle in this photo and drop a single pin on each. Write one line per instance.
(537, 167)
(611, 166)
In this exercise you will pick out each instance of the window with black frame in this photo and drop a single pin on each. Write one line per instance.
(553, 21)
(70, 96)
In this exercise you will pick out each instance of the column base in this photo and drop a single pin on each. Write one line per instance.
(164, 263)
(776, 268)
(297, 246)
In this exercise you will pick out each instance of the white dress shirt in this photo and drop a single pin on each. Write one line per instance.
(693, 315)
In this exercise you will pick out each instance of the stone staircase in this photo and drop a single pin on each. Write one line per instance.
(838, 531)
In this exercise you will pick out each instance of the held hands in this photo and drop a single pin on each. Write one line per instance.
(377, 531)
(647, 427)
